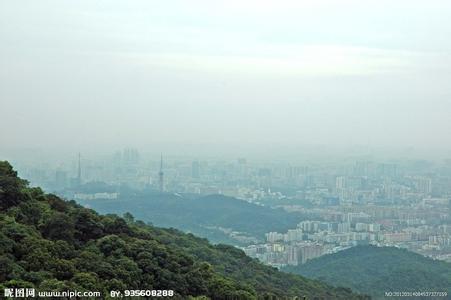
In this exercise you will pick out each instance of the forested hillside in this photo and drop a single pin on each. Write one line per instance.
(203, 216)
(51, 244)
(376, 270)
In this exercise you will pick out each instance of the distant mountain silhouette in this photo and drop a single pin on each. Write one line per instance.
(55, 245)
(201, 215)
(376, 270)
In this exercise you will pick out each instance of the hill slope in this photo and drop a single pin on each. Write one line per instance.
(203, 216)
(374, 270)
(51, 244)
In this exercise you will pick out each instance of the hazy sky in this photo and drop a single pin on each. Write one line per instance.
(153, 74)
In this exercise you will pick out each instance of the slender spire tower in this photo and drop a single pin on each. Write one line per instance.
(161, 175)
(79, 169)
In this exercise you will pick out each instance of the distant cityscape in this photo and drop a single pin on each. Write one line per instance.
(355, 201)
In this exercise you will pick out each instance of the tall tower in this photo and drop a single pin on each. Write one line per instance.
(79, 169)
(161, 175)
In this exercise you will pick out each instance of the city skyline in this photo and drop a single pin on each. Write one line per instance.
(237, 149)
(236, 76)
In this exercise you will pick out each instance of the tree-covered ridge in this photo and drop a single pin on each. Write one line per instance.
(52, 244)
(376, 270)
(202, 216)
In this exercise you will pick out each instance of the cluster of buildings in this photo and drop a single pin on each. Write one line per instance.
(423, 228)
(399, 203)
(283, 254)
(359, 182)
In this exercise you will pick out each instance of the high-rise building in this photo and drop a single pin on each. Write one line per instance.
(292, 255)
(294, 235)
(130, 156)
(361, 227)
(273, 237)
(344, 227)
(309, 251)
(340, 182)
(79, 169)
(374, 227)
(195, 169)
(424, 185)
(161, 175)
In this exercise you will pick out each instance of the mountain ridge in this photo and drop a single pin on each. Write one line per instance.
(375, 270)
(55, 245)
(201, 214)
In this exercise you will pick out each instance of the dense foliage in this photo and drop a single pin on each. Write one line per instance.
(376, 270)
(51, 244)
(203, 216)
